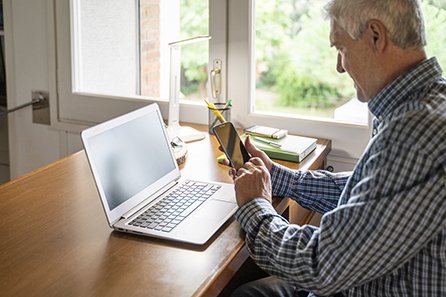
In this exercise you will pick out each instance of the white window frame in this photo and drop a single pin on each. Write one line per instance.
(348, 140)
(72, 110)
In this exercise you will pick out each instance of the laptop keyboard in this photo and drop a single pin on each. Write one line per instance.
(167, 213)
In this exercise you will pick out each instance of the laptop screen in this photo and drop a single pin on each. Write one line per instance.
(130, 157)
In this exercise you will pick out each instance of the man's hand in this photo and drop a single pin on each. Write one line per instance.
(252, 181)
(254, 152)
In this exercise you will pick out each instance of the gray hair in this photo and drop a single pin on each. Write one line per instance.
(403, 19)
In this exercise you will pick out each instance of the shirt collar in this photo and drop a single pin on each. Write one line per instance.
(398, 91)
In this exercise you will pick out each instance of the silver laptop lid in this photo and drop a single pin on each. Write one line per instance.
(130, 158)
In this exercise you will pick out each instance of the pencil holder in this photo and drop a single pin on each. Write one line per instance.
(217, 114)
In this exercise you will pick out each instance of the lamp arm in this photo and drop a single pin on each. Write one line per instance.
(174, 86)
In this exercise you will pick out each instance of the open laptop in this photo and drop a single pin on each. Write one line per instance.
(137, 176)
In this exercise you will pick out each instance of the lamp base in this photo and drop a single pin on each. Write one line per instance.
(185, 133)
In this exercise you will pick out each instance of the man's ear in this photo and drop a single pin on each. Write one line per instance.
(379, 37)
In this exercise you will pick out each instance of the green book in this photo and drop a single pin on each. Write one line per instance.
(289, 148)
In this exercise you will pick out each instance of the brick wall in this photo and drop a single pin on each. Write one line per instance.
(150, 47)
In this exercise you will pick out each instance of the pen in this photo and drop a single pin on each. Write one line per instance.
(214, 110)
(272, 143)
(228, 104)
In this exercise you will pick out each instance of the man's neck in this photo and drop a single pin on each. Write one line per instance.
(400, 62)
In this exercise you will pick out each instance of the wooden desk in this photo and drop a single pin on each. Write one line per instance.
(54, 239)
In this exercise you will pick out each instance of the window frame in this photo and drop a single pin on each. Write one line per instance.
(348, 140)
(72, 110)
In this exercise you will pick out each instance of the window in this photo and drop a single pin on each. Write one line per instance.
(114, 55)
(284, 74)
(122, 47)
(105, 39)
(294, 68)
(348, 139)
(110, 62)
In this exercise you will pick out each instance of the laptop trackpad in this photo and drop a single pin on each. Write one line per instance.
(206, 220)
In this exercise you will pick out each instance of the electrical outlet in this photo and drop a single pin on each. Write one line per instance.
(41, 109)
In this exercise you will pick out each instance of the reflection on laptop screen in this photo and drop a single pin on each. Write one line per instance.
(130, 157)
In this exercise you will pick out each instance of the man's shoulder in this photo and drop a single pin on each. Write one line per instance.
(422, 125)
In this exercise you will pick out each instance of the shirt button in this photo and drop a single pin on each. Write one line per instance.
(380, 118)
(374, 132)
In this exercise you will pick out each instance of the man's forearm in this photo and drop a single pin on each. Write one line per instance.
(315, 190)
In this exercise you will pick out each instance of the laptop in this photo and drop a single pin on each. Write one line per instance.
(140, 184)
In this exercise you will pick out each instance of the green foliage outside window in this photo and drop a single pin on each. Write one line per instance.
(294, 59)
(435, 17)
(194, 22)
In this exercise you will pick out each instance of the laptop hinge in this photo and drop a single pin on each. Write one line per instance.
(158, 193)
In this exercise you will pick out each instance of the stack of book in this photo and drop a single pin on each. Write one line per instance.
(288, 147)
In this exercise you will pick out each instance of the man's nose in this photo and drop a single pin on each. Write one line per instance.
(339, 66)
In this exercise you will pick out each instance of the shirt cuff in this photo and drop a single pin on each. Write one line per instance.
(281, 178)
(251, 214)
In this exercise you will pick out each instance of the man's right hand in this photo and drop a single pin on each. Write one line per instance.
(252, 181)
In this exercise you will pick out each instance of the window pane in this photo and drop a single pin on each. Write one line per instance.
(105, 42)
(122, 47)
(295, 66)
(194, 21)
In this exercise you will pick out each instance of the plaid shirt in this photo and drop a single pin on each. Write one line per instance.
(383, 232)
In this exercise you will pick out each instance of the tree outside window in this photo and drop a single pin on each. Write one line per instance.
(295, 66)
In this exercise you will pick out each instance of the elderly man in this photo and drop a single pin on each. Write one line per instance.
(383, 232)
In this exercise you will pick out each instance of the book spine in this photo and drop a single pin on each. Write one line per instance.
(307, 151)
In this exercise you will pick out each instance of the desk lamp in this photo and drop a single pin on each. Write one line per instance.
(174, 129)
